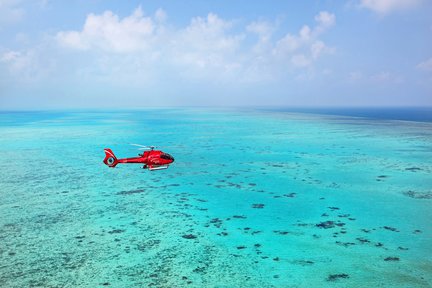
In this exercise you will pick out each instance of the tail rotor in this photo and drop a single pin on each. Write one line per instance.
(110, 159)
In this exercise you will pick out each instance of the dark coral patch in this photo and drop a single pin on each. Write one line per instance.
(199, 270)
(392, 259)
(303, 262)
(281, 232)
(413, 169)
(418, 195)
(216, 222)
(129, 192)
(391, 228)
(326, 224)
(258, 206)
(345, 244)
(335, 277)
(363, 240)
(116, 231)
(189, 236)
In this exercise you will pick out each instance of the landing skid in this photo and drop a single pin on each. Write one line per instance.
(158, 167)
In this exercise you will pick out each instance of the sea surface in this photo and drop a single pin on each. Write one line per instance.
(255, 198)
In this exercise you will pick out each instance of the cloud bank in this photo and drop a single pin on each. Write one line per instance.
(208, 47)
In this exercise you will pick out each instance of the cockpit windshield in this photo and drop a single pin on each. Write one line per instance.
(166, 156)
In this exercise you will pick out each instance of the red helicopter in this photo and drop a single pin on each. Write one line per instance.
(152, 159)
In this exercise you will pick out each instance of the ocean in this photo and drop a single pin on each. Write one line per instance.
(255, 198)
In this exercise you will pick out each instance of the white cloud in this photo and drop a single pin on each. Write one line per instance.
(306, 45)
(264, 31)
(17, 61)
(10, 12)
(300, 60)
(387, 6)
(26, 65)
(160, 15)
(325, 20)
(425, 65)
(261, 28)
(205, 49)
(305, 33)
(210, 34)
(107, 32)
(10, 56)
(317, 48)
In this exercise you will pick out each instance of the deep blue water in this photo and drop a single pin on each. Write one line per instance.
(418, 114)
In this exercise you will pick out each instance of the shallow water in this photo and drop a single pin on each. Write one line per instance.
(253, 199)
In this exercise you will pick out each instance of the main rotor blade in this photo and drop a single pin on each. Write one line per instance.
(139, 145)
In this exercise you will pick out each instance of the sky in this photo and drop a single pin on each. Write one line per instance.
(136, 54)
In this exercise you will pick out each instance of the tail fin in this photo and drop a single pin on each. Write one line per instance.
(110, 158)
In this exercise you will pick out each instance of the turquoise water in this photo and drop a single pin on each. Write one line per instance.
(253, 199)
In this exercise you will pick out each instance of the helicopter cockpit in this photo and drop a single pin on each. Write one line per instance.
(166, 156)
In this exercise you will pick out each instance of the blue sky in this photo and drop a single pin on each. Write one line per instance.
(108, 54)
